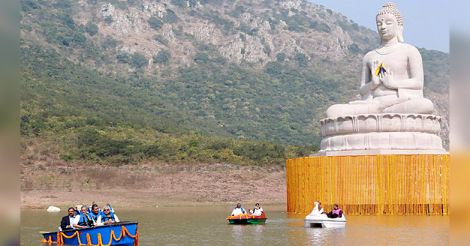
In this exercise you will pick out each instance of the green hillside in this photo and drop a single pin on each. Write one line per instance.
(96, 118)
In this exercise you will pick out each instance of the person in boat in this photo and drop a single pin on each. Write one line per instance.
(90, 208)
(108, 216)
(257, 211)
(238, 210)
(96, 214)
(78, 209)
(84, 219)
(336, 212)
(68, 221)
(110, 207)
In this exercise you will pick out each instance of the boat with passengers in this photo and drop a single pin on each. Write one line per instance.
(247, 219)
(124, 233)
(240, 216)
(318, 219)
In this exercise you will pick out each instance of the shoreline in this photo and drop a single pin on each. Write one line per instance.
(279, 206)
(44, 201)
(151, 185)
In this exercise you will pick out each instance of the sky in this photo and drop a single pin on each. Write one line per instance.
(426, 23)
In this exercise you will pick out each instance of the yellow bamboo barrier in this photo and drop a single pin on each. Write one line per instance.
(370, 185)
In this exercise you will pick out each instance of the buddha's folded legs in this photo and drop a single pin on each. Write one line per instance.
(341, 110)
(384, 104)
(411, 106)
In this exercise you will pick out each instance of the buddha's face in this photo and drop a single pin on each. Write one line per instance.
(387, 26)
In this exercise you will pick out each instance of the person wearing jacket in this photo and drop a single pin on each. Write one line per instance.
(96, 214)
(108, 217)
(68, 221)
(84, 219)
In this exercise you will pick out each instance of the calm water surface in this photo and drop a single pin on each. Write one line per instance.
(207, 226)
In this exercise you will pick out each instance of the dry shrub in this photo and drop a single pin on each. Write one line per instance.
(107, 178)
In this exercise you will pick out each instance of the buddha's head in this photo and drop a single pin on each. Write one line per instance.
(390, 23)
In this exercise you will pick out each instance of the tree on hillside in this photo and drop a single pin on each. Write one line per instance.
(155, 23)
(170, 16)
(138, 60)
(162, 57)
(91, 28)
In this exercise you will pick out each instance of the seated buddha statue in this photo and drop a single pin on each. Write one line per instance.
(392, 75)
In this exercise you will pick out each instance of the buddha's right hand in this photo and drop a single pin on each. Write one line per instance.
(374, 78)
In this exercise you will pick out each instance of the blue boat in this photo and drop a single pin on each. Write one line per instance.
(121, 233)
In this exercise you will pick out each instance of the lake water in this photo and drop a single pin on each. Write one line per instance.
(207, 226)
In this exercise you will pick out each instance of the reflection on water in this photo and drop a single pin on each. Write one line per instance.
(207, 226)
(254, 232)
(320, 236)
(237, 231)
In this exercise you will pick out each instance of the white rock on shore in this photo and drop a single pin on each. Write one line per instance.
(52, 209)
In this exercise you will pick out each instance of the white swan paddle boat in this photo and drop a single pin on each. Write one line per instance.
(317, 219)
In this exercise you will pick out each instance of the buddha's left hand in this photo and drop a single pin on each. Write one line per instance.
(387, 79)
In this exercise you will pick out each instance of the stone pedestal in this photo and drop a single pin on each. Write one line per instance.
(381, 134)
